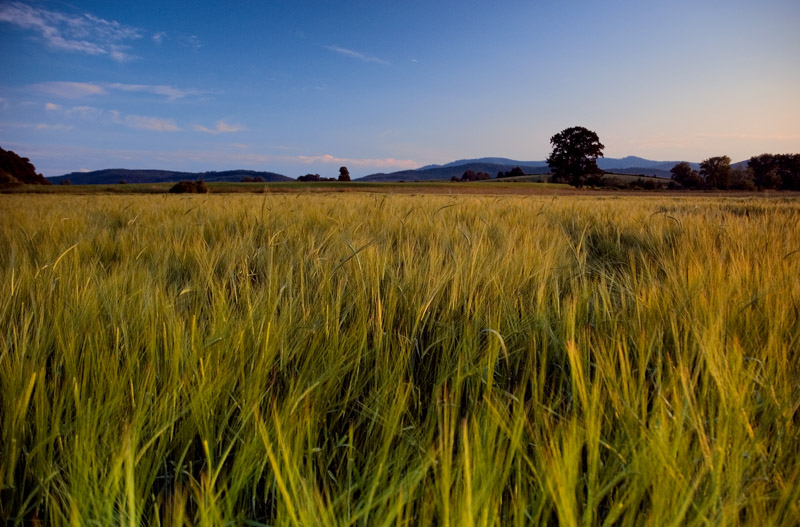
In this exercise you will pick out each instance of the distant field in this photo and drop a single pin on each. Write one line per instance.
(364, 358)
(504, 186)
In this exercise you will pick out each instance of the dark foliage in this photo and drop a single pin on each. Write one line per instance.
(514, 172)
(314, 177)
(574, 155)
(116, 175)
(686, 177)
(65, 182)
(189, 187)
(344, 174)
(740, 179)
(14, 168)
(716, 171)
(789, 171)
(780, 171)
(253, 179)
(7, 180)
(645, 184)
(614, 182)
(471, 175)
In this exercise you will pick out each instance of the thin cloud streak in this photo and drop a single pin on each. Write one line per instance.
(69, 90)
(85, 33)
(136, 122)
(141, 122)
(170, 92)
(328, 159)
(57, 127)
(356, 55)
(74, 90)
(221, 128)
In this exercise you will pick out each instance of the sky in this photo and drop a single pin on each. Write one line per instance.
(300, 87)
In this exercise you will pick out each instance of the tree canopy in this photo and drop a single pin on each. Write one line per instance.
(16, 169)
(574, 155)
(716, 171)
(686, 176)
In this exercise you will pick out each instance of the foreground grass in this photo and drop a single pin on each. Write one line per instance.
(402, 360)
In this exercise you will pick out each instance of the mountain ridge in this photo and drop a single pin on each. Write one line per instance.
(625, 165)
(116, 175)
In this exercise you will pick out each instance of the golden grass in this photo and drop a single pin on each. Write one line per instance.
(363, 359)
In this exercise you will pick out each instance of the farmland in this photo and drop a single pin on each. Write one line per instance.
(363, 358)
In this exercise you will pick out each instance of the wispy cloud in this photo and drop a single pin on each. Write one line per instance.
(192, 41)
(69, 90)
(221, 128)
(85, 112)
(74, 90)
(170, 92)
(356, 55)
(84, 33)
(141, 122)
(137, 122)
(52, 107)
(56, 127)
(328, 159)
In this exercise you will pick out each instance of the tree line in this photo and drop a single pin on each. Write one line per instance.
(574, 161)
(763, 172)
(344, 175)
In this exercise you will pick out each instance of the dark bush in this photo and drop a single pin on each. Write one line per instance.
(254, 179)
(595, 180)
(614, 182)
(65, 182)
(471, 175)
(20, 169)
(189, 187)
(7, 179)
(514, 172)
(314, 177)
(741, 180)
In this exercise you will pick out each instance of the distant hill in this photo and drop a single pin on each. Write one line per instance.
(610, 163)
(448, 171)
(627, 165)
(498, 161)
(115, 175)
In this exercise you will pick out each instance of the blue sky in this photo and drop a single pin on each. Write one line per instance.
(296, 87)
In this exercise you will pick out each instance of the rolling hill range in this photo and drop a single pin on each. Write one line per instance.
(116, 175)
(492, 165)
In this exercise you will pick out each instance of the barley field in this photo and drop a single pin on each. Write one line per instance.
(380, 360)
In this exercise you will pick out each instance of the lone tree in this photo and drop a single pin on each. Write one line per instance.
(686, 176)
(716, 171)
(574, 155)
(344, 174)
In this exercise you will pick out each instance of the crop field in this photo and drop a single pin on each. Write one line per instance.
(363, 359)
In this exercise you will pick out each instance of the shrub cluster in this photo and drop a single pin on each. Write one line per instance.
(189, 187)
(514, 172)
(471, 175)
(314, 177)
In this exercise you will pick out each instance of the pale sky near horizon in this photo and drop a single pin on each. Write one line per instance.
(296, 87)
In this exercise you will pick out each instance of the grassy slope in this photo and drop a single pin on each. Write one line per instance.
(371, 360)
